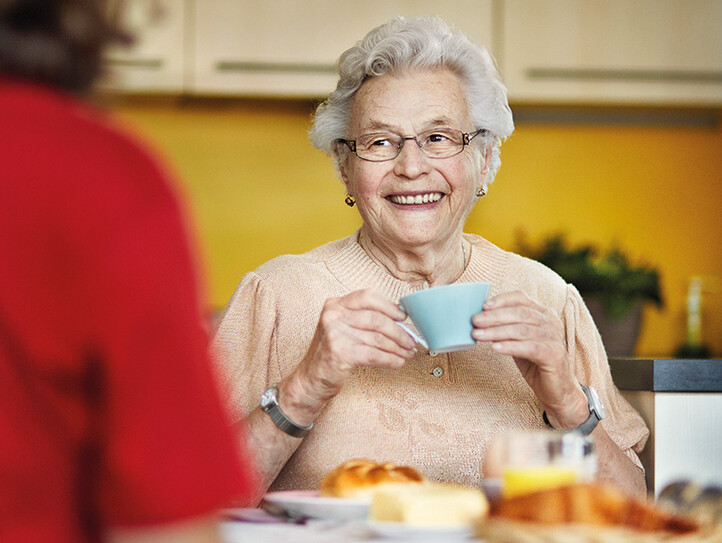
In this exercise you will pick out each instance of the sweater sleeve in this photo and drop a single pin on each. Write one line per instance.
(622, 422)
(167, 450)
(244, 345)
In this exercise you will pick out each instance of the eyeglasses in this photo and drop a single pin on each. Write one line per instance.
(438, 143)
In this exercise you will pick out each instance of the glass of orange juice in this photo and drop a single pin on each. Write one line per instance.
(540, 460)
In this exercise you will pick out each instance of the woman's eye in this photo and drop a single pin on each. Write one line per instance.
(437, 137)
(380, 142)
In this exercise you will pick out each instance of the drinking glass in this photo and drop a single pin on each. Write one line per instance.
(540, 460)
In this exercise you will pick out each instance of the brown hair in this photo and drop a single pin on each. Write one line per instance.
(56, 42)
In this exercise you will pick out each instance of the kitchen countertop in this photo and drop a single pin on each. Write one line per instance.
(667, 374)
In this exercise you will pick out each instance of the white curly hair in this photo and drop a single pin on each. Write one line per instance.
(416, 43)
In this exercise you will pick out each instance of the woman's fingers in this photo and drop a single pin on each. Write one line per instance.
(512, 307)
(362, 329)
(510, 299)
(535, 337)
(369, 318)
(519, 327)
(359, 329)
(544, 354)
(369, 299)
(347, 336)
(519, 331)
(516, 317)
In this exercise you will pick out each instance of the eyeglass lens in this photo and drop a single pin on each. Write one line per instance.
(440, 143)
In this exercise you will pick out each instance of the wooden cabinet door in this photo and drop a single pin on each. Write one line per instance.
(156, 60)
(288, 48)
(645, 51)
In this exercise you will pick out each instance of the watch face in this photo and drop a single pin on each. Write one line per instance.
(596, 403)
(268, 398)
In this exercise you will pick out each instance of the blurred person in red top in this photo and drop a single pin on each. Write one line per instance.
(110, 424)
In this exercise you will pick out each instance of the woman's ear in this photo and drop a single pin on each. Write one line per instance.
(340, 160)
(345, 177)
(487, 161)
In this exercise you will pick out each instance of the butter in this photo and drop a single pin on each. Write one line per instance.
(429, 504)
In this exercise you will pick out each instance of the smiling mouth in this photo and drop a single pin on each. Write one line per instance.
(416, 199)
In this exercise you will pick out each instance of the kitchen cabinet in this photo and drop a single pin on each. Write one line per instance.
(613, 51)
(156, 62)
(254, 47)
(646, 52)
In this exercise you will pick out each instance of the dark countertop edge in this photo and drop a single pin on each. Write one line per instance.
(667, 374)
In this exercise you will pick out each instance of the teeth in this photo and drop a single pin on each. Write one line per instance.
(418, 199)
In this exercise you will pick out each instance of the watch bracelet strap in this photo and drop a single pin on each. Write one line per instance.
(279, 418)
(585, 428)
(285, 424)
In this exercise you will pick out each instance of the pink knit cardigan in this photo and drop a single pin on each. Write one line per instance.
(440, 422)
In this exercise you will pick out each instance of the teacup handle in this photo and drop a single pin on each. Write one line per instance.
(416, 337)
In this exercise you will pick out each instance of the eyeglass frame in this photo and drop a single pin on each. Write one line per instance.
(466, 138)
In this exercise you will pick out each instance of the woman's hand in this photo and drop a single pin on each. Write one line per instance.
(359, 329)
(535, 338)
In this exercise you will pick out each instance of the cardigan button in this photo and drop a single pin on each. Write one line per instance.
(437, 371)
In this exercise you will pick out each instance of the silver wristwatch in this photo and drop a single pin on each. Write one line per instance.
(269, 404)
(596, 413)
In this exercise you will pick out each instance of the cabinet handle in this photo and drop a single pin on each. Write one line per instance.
(273, 67)
(602, 74)
(145, 64)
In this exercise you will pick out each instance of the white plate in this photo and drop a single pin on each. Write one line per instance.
(308, 503)
(397, 530)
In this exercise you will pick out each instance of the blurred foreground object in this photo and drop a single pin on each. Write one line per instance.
(110, 423)
(590, 513)
(590, 504)
(532, 461)
(701, 502)
(361, 478)
(429, 504)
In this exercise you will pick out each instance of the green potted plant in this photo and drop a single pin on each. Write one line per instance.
(613, 288)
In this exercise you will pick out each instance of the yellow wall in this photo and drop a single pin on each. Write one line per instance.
(256, 189)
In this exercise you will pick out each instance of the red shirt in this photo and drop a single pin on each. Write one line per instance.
(109, 414)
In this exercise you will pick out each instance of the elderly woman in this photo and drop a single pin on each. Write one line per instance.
(309, 344)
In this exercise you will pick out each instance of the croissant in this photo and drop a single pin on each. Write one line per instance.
(591, 504)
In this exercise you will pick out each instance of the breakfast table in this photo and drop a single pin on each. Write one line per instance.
(248, 532)
(312, 531)
(255, 526)
(305, 516)
(691, 506)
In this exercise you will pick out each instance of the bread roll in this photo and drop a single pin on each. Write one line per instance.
(429, 505)
(360, 478)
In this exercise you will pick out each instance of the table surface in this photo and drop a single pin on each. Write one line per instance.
(667, 374)
(314, 531)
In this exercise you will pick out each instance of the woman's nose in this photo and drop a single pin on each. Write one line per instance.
(411, 161)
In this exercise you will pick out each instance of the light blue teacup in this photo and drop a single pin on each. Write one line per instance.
(443, 315)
